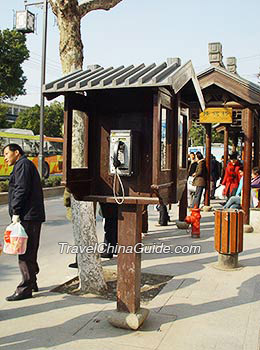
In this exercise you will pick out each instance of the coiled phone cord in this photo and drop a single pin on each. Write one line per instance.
(119, 200)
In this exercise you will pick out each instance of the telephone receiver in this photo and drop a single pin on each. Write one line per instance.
(117, 148)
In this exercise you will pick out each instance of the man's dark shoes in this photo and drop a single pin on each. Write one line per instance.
(106, 255)
(35, 288)
(16, 296)
(74, 265)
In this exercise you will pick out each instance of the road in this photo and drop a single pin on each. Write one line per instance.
(53, 265)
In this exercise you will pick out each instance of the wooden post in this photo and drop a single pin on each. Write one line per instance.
(225, 146)
(248, 139)
(183, 204)
(208, 159)
(129, 264)
(256, 144)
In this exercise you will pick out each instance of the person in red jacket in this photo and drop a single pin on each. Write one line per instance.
(231, 177)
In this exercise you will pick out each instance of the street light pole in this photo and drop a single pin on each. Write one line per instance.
(23, 26)
(43, 74)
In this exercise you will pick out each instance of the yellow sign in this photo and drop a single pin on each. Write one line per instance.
(216, 115)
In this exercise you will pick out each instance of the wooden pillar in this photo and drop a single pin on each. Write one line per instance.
(225, 146)
(129, 264)
(208, 159)
(183, 204)
(256, 144)
(247, 123)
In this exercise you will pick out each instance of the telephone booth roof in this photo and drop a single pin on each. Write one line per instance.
(167, 74)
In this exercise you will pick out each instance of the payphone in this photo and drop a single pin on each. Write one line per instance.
(120, 152)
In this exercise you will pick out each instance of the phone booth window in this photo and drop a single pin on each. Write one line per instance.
(79, 151)
(180, 137)
(164, 125)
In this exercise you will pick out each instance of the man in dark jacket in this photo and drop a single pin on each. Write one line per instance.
(25, 199)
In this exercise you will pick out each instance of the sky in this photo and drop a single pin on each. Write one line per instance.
(147, 31)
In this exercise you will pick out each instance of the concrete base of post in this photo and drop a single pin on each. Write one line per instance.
(128, 320)
(255, 219)
(248, 229)
(227, 262)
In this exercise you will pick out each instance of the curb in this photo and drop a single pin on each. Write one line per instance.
(47, 193)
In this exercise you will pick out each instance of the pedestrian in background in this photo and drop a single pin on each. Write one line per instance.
(191, 170)
(109, 212)
(200, 179)
(231, 178)
(25, 201)
(214, 175)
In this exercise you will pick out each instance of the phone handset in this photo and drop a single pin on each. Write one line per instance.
(118, 154)
(118, 159)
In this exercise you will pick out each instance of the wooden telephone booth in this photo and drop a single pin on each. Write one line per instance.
(135, 129)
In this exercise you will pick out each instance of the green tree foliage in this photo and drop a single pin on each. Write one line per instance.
(13, 52)
(53, 119)
(197, 135)
(3, 112)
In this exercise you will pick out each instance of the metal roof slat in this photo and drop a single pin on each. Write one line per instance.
(152, 73)
(128, 74)
(165, 73)
(135, 77)
(84, 82)
(112, 77)
(50, 85)
(72, 83)
(66, 79)
(95, 82)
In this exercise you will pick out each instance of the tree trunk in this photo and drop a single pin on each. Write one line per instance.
(84, 230)
(71, 47)
(90, 269)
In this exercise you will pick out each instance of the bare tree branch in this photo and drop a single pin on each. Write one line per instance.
(54, 6)
(91, 5)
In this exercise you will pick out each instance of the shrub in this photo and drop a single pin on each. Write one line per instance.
(52, 181)
(4, 186)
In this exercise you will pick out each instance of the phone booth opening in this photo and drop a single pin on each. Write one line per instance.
(132, 147)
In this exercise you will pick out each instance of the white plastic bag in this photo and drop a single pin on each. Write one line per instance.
(219, 192)
(15, 239)
(191, 188)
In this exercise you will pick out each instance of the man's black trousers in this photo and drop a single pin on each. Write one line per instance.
(28, 262)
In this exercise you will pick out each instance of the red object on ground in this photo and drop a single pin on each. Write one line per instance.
(194, 220)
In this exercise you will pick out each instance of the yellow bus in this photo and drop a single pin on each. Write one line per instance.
(53, 147)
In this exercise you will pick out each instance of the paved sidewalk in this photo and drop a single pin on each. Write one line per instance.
(200, 308)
